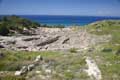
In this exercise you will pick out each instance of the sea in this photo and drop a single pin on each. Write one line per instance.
(67, 21)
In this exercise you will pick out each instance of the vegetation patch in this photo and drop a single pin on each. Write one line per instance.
(73, 50)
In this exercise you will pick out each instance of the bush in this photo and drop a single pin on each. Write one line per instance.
(3, 30)
(73, 50)
(118, 52)
(107, 50)
(69, 75)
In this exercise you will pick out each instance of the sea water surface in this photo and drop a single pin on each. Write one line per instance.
(66, 20)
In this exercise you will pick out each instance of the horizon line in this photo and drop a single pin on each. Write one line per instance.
(59, 15)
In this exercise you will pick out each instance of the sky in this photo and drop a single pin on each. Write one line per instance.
(61, 7)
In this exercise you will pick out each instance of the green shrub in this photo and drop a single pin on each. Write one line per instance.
(107, 50)
(73, 50)
(3, 30)
(118, 52)
(69, 75)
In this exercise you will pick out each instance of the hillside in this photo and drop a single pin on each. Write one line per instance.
(15, 25)
(91, 52)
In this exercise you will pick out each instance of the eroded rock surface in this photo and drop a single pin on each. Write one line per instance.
(52, 39)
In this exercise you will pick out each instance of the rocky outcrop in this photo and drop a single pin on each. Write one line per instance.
(28, 68)
(48, 41)
(52, 39)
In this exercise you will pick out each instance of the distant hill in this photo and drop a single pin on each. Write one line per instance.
(11, 24)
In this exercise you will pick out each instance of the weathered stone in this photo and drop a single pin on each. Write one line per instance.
(48, 41)
(18, 73)
(30, 67)
(52, 39)
(48, 71)
(24, 69)
(93, 70)
(38, 72)
(38, 58)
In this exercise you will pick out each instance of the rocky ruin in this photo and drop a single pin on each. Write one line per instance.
(52, 39)
(28, 68)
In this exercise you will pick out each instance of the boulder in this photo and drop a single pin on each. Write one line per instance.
(24, 69)
(18, 73)
(30, 67)
(48, 71)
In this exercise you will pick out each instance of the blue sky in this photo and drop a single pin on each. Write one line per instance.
(61, 7)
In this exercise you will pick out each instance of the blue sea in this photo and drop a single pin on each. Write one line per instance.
(66, 20)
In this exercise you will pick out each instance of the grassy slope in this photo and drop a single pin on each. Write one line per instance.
(107, 55)
(63, 62)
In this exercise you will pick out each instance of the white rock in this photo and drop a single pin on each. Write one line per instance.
(38, 72)
(24, 69)
(42, 77)
(48, 71)
(30, 67)
(18, 73)
(93, 69)
(38, 58)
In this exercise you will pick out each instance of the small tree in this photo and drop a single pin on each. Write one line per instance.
(4, 30)
(5, 18)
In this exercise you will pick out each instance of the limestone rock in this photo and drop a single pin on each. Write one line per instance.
(24, 69)
(38, 58)
(30, 67)
(52, 39)
(18, 73)
(48, 41)
(93, 70)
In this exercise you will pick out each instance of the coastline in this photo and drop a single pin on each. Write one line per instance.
(66, 20)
